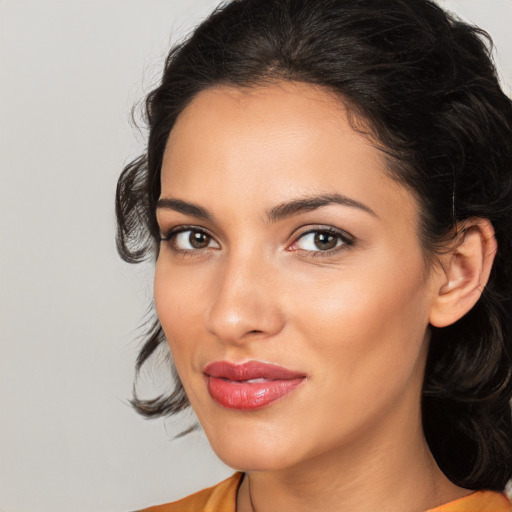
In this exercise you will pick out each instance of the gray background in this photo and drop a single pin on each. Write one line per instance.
(69, 308)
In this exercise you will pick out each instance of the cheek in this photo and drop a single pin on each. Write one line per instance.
(179, 308)
(176, 303)
(369, 323)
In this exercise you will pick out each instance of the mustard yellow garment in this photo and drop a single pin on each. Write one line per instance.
(222, 498)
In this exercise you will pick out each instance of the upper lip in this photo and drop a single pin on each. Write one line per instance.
(250, 370)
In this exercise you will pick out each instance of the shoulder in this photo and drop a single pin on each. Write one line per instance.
(479, 501)
(219, 498)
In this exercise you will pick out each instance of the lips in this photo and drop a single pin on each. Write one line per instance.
(250, 385)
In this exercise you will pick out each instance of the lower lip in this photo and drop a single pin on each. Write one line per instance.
(245, 396)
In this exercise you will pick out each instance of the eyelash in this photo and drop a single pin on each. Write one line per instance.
(346, 240)
(170, 238)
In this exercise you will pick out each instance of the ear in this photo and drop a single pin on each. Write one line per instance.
(464, 272)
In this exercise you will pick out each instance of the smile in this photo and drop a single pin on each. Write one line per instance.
(251, 385)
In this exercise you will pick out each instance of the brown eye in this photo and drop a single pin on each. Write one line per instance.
(325, 241)
(191, 240)
(322, 240)
(199, 240)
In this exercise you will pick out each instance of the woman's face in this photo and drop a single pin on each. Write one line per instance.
(291, 285)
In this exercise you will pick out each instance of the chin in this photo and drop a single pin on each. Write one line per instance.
(252, 459)
(253, 449)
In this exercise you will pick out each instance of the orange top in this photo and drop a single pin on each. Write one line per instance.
(222, 498)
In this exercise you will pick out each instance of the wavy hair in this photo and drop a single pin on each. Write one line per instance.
(425, 84)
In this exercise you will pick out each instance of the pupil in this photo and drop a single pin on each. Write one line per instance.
(199, 240)
(325, 241)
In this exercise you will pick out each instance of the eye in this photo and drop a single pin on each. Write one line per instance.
(321, 240)
(189, 240)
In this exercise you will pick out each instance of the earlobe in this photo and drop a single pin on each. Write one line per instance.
(464, 272)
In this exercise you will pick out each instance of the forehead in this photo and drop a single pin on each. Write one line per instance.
(254, 115)
(266, 143)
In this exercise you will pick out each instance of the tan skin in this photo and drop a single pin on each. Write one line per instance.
(353, 314)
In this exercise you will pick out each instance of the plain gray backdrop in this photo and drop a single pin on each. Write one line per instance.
(70, 71)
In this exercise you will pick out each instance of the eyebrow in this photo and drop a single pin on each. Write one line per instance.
(309, 203)
(183, 207)
(279, 212)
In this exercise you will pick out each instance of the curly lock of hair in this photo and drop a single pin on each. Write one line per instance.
(425, 84)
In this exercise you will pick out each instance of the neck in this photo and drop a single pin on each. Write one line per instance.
(390, 470)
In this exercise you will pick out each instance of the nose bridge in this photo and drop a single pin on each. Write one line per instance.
(244, 303)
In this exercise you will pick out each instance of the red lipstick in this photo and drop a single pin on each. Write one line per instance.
(250, 385)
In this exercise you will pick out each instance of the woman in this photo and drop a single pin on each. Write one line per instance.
(327, 189)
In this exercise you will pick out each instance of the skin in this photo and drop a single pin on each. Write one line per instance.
(354, 318)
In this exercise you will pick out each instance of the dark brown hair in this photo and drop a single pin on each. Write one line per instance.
(425, 84)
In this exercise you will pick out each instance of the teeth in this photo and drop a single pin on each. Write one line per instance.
(255, 380)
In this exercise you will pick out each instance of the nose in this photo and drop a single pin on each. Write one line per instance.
(245, 304)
